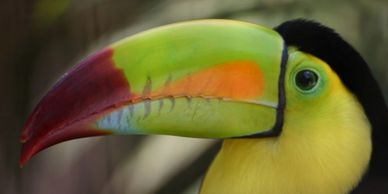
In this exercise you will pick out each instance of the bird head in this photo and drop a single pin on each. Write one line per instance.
(217, 79)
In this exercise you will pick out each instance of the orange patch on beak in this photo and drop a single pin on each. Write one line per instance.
(238, 80)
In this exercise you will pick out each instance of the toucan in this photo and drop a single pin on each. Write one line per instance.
(297, 107)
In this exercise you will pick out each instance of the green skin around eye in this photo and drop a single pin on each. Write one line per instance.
(297, 62)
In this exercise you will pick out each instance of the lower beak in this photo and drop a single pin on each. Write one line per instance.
(207, 79)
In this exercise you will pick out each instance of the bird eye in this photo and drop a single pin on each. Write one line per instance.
(306, 80)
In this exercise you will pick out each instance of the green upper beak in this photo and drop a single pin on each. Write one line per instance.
(208, 78)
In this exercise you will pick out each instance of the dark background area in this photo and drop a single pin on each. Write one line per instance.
(41, 39)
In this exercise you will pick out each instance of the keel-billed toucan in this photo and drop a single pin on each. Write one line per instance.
(297, 106)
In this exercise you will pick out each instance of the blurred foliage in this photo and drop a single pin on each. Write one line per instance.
(46, 12)
(40, 39)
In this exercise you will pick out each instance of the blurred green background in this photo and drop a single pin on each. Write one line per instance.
(41, 39)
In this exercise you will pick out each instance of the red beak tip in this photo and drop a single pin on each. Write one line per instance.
(22, 161)
(24, 158)
(26, 154)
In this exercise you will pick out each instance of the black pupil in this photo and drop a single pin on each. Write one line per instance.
(306, 79)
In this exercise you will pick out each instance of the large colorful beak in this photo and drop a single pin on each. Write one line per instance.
(208, 79)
